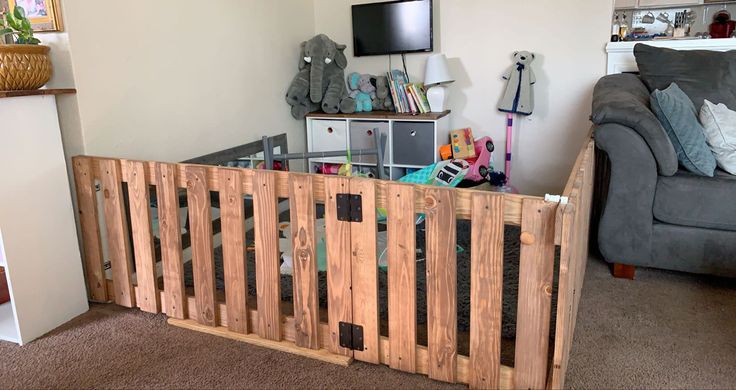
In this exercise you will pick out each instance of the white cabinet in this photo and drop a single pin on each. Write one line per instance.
(412, 140)
(38, 242)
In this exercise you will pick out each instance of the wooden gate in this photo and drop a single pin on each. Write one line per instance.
(352, 267)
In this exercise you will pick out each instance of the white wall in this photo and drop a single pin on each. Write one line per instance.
(479, 37)
(174, 79)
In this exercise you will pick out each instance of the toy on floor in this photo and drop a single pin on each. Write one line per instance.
(481, 165)
(517, 99)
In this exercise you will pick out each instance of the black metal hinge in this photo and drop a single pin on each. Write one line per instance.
(349, 208)
(351, 336)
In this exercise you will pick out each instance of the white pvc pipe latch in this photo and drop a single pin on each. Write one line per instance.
(556, 198)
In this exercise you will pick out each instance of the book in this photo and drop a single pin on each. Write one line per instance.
(392, 89)
(400, 80)
(417, 99)
(410, 98)
(422, 93)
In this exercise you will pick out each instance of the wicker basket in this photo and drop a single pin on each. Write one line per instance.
(24, 67)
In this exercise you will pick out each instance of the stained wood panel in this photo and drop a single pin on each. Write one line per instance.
(117, 232)
(140, 220)
(337, 237)
(170, 234)
(233, 251)
(402, 277)
(200, 226)
(536, 267)
(268, 277)
(364, 271)
(486, 286)
(306, 295)
(84, 181)
(441, 284)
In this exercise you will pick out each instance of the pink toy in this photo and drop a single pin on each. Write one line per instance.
(484, 150)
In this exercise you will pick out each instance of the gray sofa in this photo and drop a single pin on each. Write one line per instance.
(653, 212)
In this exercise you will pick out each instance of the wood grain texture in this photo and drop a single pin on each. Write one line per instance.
(169, 225)
(268, 276)
(200, 226)
(337, 237)
(382, 115)
(512, 207)
(441, 284)
(402, 277)
(364, 271)
(232, 218)
(536, 267)
(117, 233)
(94, 268)
(283, 346)
(306, 295)
(486, 286)
(140, 222)
(37, 92)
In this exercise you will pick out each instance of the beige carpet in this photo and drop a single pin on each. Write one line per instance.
(664, 330)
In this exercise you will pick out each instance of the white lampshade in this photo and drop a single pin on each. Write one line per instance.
(437, 71)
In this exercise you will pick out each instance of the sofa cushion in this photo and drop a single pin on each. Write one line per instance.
(720, 132)
(690, 200)
(679, 118)
(702, 74)
(623, 99)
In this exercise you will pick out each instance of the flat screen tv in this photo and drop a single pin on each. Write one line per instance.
(392, 27)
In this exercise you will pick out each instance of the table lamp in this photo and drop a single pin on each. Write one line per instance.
(436, 76)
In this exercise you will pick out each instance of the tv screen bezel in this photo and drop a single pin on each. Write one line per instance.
(366, 54)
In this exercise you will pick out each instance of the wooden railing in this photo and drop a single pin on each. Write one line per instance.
(352, 268)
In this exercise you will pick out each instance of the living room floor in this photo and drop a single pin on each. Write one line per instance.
(663, 330)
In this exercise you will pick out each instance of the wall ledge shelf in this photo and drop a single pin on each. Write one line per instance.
(37, 92)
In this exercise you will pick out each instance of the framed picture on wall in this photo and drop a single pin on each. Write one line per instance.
(45, 15)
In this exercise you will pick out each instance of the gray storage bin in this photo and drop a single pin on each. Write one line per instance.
(413, 143)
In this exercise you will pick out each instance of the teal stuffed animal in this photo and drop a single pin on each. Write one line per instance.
(362, 91)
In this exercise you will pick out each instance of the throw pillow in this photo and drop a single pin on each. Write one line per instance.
(720, 132)
(702, 74)
(680, 120)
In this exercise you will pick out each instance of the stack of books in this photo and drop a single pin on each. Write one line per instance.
(408, 97)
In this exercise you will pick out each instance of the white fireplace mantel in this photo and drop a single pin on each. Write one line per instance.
(621, 54)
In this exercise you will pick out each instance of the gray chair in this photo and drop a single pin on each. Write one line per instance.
(653, 213)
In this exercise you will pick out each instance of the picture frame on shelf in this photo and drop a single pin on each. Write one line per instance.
(45, 15)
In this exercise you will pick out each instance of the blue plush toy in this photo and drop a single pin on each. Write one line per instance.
(362, 91)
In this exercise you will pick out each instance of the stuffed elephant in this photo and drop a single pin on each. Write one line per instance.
(362, 91)
(320, 81)
(383, 100)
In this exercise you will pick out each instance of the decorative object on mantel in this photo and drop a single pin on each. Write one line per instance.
(436, 76)
(517, 99)
(320, 82)
(44, 15)
(24, 64)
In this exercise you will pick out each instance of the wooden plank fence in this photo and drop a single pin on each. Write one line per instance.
(352, 264)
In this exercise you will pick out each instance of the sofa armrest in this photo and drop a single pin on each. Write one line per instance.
(624, 99)
(625, 229)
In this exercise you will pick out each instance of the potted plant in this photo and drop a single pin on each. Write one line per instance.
(24, 64)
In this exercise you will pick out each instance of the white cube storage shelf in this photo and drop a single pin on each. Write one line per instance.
(413, 141)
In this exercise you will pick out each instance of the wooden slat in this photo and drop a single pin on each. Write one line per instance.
(306, 294)
(268, 276)
(169, 224)
(463, 366)
(117, 232)
(402, 277)
(486, 286)
(337, 237)
(364, 270)
(233, 251)
(84, 181)
(512, 208)
(140, 221)
(441, 284)
(283, 346)
(200, 226)
(536, 267)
